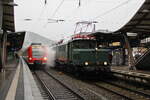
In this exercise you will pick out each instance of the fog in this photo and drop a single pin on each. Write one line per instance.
(51, 57)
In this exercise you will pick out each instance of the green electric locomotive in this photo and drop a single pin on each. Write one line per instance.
(82, 53)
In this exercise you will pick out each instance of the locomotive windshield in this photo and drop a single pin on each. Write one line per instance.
(84, 44)
(37, 52)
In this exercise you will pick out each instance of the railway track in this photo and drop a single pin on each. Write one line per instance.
(54, 88)
(42, 88)
(125, 92)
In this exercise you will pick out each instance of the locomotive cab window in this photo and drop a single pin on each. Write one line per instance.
(84, 44)
(103, 45)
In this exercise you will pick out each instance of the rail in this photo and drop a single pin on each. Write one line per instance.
(50, 95)
(123, 91)
(57, 91)
(81, 98)
(112, 91)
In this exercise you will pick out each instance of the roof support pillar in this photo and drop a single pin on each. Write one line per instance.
(130, 55)
(4, 48)
(124, 56)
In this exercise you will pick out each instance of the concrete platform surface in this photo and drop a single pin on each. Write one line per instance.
(10, 68)
(126, 68)
(23, 85)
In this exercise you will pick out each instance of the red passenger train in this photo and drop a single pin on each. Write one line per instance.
(36, 54)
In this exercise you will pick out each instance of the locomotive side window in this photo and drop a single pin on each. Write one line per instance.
(103, 45)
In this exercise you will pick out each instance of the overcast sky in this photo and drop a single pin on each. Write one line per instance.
(110, 15)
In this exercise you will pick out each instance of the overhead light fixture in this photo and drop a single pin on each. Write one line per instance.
(145, 10)
(95, 22)
(12, 4)
(19, 33)
(27, 19)
(131, 34)
(61, 20)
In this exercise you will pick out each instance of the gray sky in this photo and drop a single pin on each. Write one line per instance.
(110, 14)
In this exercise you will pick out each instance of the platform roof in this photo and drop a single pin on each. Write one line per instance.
(140, 23)
(8, 15)
(15, 40)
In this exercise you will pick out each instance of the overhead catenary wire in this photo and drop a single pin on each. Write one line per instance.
(41, 13)
(98, 16)
(56, 10)
(106, 12)
(58, 7)
(112, 9)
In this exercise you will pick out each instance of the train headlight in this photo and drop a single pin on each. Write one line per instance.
(45, 58)
(105, 63)
(96, 49)
(86, 63)
(30, 58)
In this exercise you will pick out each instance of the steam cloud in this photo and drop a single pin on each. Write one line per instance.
(51, 57)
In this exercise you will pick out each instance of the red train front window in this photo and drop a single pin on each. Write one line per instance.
(37, 52)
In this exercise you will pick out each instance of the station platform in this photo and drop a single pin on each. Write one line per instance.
(20, 85)
(6, 72)
(127, 69)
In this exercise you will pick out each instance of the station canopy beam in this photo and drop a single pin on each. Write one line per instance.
(15, 41)
(8, 15)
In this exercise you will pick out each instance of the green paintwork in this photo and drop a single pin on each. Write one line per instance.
(80, 56)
